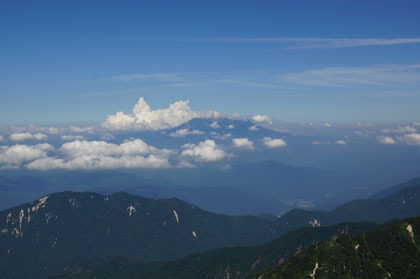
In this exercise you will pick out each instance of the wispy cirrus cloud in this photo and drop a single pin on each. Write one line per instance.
(168, 77)
(302, 42)
(381, 75)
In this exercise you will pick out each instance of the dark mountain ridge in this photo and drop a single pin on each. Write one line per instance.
(60, 232)
(63, 230)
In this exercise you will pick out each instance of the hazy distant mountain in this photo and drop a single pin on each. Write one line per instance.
(393, 251)
(396, 188)
(236, 262)
(256, 188)
(59, 232)
(402, 204)
(23, 186)
(259, 187)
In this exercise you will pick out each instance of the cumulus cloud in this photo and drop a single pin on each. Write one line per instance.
(231, 126)
(261, 118)
(72, 137)
(244, 143)
(386, 140)
(185, 165)
(14, 156)
(340, 142)
(134, 147)
(104, 155)
(205, 151)
(144, 118)
(185, 132)
(27, 136)
(1, 138)
(100, 162)
(274, 143)
(328, 125)
(75, 129)
(411, 139)
(365, 133)
(221, 137)
(405, 129)
(215, 125)
(253, 128)
(53, 131)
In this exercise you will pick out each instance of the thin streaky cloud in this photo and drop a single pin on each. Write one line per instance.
(402, 76)
(168, 77)
(186, 84)
(247, 83)
(322, 42)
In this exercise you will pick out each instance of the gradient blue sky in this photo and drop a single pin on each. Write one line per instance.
(79, 61)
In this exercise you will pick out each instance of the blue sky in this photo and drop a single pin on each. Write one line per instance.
(79, 61)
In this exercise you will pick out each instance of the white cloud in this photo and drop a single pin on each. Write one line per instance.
(367, 134)
(205, 151)
(100, 162)
(72, 137)
(388, 75)
(302, 42)
(27, 136)
(412, 139)
(253, 128)
(405, 129)
(386, 140)
(338, 142)
(143, 118)
(83, 154)
(53, 131)
(244, 143)
(1, 138)
(215, 125)
(416, 124)
(75, 129)
(261, 118)
(104, 155)
(231, 126)
(134, 147)
(328, 125)
(221, 137)
(274, 143)
(185, 165)
(14, 156)
(185, 132)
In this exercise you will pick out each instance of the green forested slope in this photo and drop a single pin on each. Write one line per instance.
(236, 262)
(393, 251)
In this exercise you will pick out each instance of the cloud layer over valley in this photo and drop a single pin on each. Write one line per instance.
(167, 138)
